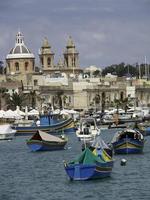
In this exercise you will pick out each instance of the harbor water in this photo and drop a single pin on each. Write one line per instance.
(27, 175)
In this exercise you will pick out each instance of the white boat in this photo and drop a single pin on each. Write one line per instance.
(6, 132)
(87, 129)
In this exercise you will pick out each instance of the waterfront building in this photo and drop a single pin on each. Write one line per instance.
(63, 84)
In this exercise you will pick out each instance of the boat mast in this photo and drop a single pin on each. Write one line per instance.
(139, 71)
(145, 69)
(83, 136)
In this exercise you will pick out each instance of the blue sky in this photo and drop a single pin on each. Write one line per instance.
(105, 31)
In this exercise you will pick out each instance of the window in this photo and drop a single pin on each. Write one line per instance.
(35, 82)
(26, 66)
(42, 61)
(69, 99)
(17, 66)
(121, 95)
(33, 64)
(48, 61)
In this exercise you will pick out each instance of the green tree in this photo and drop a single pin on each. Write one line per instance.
(32, 98)
(16, 99)
(97, 73)
(122, 103)
(59, 95)
(121, 70)
(125, 103)
(58, 98)
(117, 103)
(97, 100)
(103, 101)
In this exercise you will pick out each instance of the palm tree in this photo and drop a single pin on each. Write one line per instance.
(97, 100)
(59, 97)
(16, 99)
(103, 101)
(32, 98)
(125, 103)
(117, 103)
(65, 98)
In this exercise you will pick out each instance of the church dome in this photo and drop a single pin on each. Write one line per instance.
(20, 50)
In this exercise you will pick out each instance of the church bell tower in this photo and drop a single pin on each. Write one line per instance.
(46, 56)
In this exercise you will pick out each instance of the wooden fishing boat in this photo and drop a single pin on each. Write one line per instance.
(42, 141)
(65, 126)
(88, 166)
(128, 141)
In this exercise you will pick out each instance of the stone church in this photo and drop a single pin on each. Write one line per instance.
(20, 60)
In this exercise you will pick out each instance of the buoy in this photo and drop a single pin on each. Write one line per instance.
(123, 162)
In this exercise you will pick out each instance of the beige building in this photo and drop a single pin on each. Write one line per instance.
(69, 90)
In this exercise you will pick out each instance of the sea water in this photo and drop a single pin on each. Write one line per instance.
(26, 175)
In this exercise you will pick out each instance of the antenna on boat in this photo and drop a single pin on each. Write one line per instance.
(84, 141)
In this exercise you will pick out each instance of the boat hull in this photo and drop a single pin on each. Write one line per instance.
(128, 146)
(45, 146)
(7, 136)
(80, 172)
(66, 126)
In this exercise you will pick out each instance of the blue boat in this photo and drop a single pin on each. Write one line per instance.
(128, 141)
(89, 165)
(65, 126)
(42, 141)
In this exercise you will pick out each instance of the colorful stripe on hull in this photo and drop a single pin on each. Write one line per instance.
(65, 127)
(128, 146)
(45, 146)
(87, 172)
